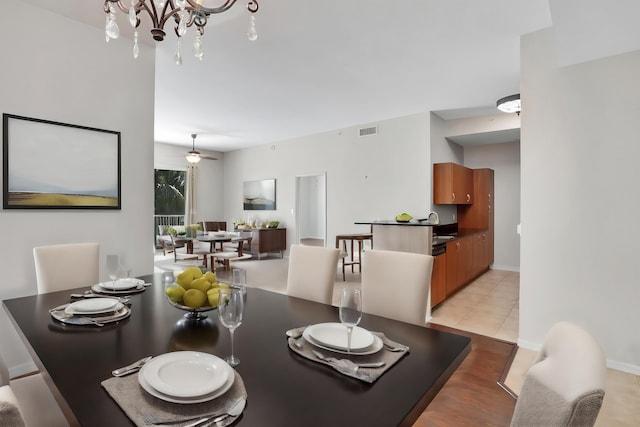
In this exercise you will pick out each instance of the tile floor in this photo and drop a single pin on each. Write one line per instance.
(489, 306)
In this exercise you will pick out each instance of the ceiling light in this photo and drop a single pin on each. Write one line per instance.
(184, 13)
(193, 156)
(509, 104)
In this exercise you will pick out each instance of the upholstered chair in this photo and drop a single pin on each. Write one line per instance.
(397, 285)
(66, 266)
(27, 401)
(565, 385)
(312, 272)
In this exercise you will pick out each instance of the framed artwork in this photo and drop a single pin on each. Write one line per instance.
(259, 195)
(49, 165)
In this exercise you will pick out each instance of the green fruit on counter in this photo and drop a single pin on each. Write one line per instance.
(210, 276)
(195, 272)
(212, 296)
(175, 293)
(194, 298)
(201, 284)
(184, 279)
(404, 217)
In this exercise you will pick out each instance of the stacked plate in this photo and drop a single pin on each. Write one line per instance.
(333, 337)
(94, 307)
(186, 377)
(121, 286)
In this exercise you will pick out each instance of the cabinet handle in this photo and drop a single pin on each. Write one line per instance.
(457, 245)
(468, 197)
(453, 197)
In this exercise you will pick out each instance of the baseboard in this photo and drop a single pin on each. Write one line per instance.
(505, 268)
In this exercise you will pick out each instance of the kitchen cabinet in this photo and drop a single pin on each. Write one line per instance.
(459, 263)
(264, 240)
(480, 215)
(452, 184)
(439, 279)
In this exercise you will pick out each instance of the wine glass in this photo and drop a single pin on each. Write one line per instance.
(350, 311)
(113, 267)
(230, 312)
(240, 279)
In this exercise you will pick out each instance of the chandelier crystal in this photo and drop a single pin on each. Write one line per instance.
(183, 13)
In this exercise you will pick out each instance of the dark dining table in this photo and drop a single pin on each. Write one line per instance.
(284, 388)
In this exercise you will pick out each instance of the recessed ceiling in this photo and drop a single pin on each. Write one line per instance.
(324, 65)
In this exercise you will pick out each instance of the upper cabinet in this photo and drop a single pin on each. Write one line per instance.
(452, 184)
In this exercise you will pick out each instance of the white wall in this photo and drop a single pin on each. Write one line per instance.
(580, 228)
(368, 177)
(63, 71)
(443, 151)
(504, 159)
(209, 176)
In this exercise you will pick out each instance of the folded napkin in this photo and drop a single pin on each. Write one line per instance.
(368, 375)
(144, 409)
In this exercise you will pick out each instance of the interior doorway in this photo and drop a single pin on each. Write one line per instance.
(311, 209)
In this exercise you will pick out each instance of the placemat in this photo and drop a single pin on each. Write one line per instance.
(368, 375)
(144, 409)
(60, 315)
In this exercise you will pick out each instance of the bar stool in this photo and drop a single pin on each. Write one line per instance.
(357, 237)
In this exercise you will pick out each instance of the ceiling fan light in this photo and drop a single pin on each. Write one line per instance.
(509, 104)
(193, 156)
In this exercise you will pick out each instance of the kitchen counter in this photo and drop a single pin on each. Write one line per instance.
(413, 222)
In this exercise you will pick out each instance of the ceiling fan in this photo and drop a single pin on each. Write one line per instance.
(194, 156)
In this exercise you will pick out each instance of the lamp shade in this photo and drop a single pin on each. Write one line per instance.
(193, 156)
(509, 104)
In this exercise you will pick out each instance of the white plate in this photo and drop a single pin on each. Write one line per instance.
(99, 289)
(93, 306)
(122, 284)
(334, 335)
(186, 374)
(185, 400)
(374, 348)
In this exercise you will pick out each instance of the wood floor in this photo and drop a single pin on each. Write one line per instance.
(472, 395)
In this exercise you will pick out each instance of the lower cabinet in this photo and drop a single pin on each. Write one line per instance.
(439, 280)
(265, 240)
(467, 258)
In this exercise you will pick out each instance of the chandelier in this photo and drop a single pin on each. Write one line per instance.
(184, 13)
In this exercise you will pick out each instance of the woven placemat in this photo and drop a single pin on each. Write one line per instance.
(369, 375)
(144, 409)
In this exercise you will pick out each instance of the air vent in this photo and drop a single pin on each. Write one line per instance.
(368, 131)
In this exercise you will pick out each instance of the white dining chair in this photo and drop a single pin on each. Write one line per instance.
(27, 402)
(312, 272)
(66, 266)
(397, 285)
(566, 384)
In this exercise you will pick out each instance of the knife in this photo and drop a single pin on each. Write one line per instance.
(130, 369)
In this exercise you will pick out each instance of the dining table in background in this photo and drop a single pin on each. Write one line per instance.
(284, 389)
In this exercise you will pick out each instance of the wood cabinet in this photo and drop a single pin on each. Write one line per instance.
(459, 263)
(452, 184)
(264, 240)
(439, 279)
(480, 215)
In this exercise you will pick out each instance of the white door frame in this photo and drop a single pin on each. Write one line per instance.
(323, 210)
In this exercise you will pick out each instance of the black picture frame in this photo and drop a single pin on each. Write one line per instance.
(259, 195)
(52, 165)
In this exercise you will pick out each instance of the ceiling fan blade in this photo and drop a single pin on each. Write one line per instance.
(205, 157)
